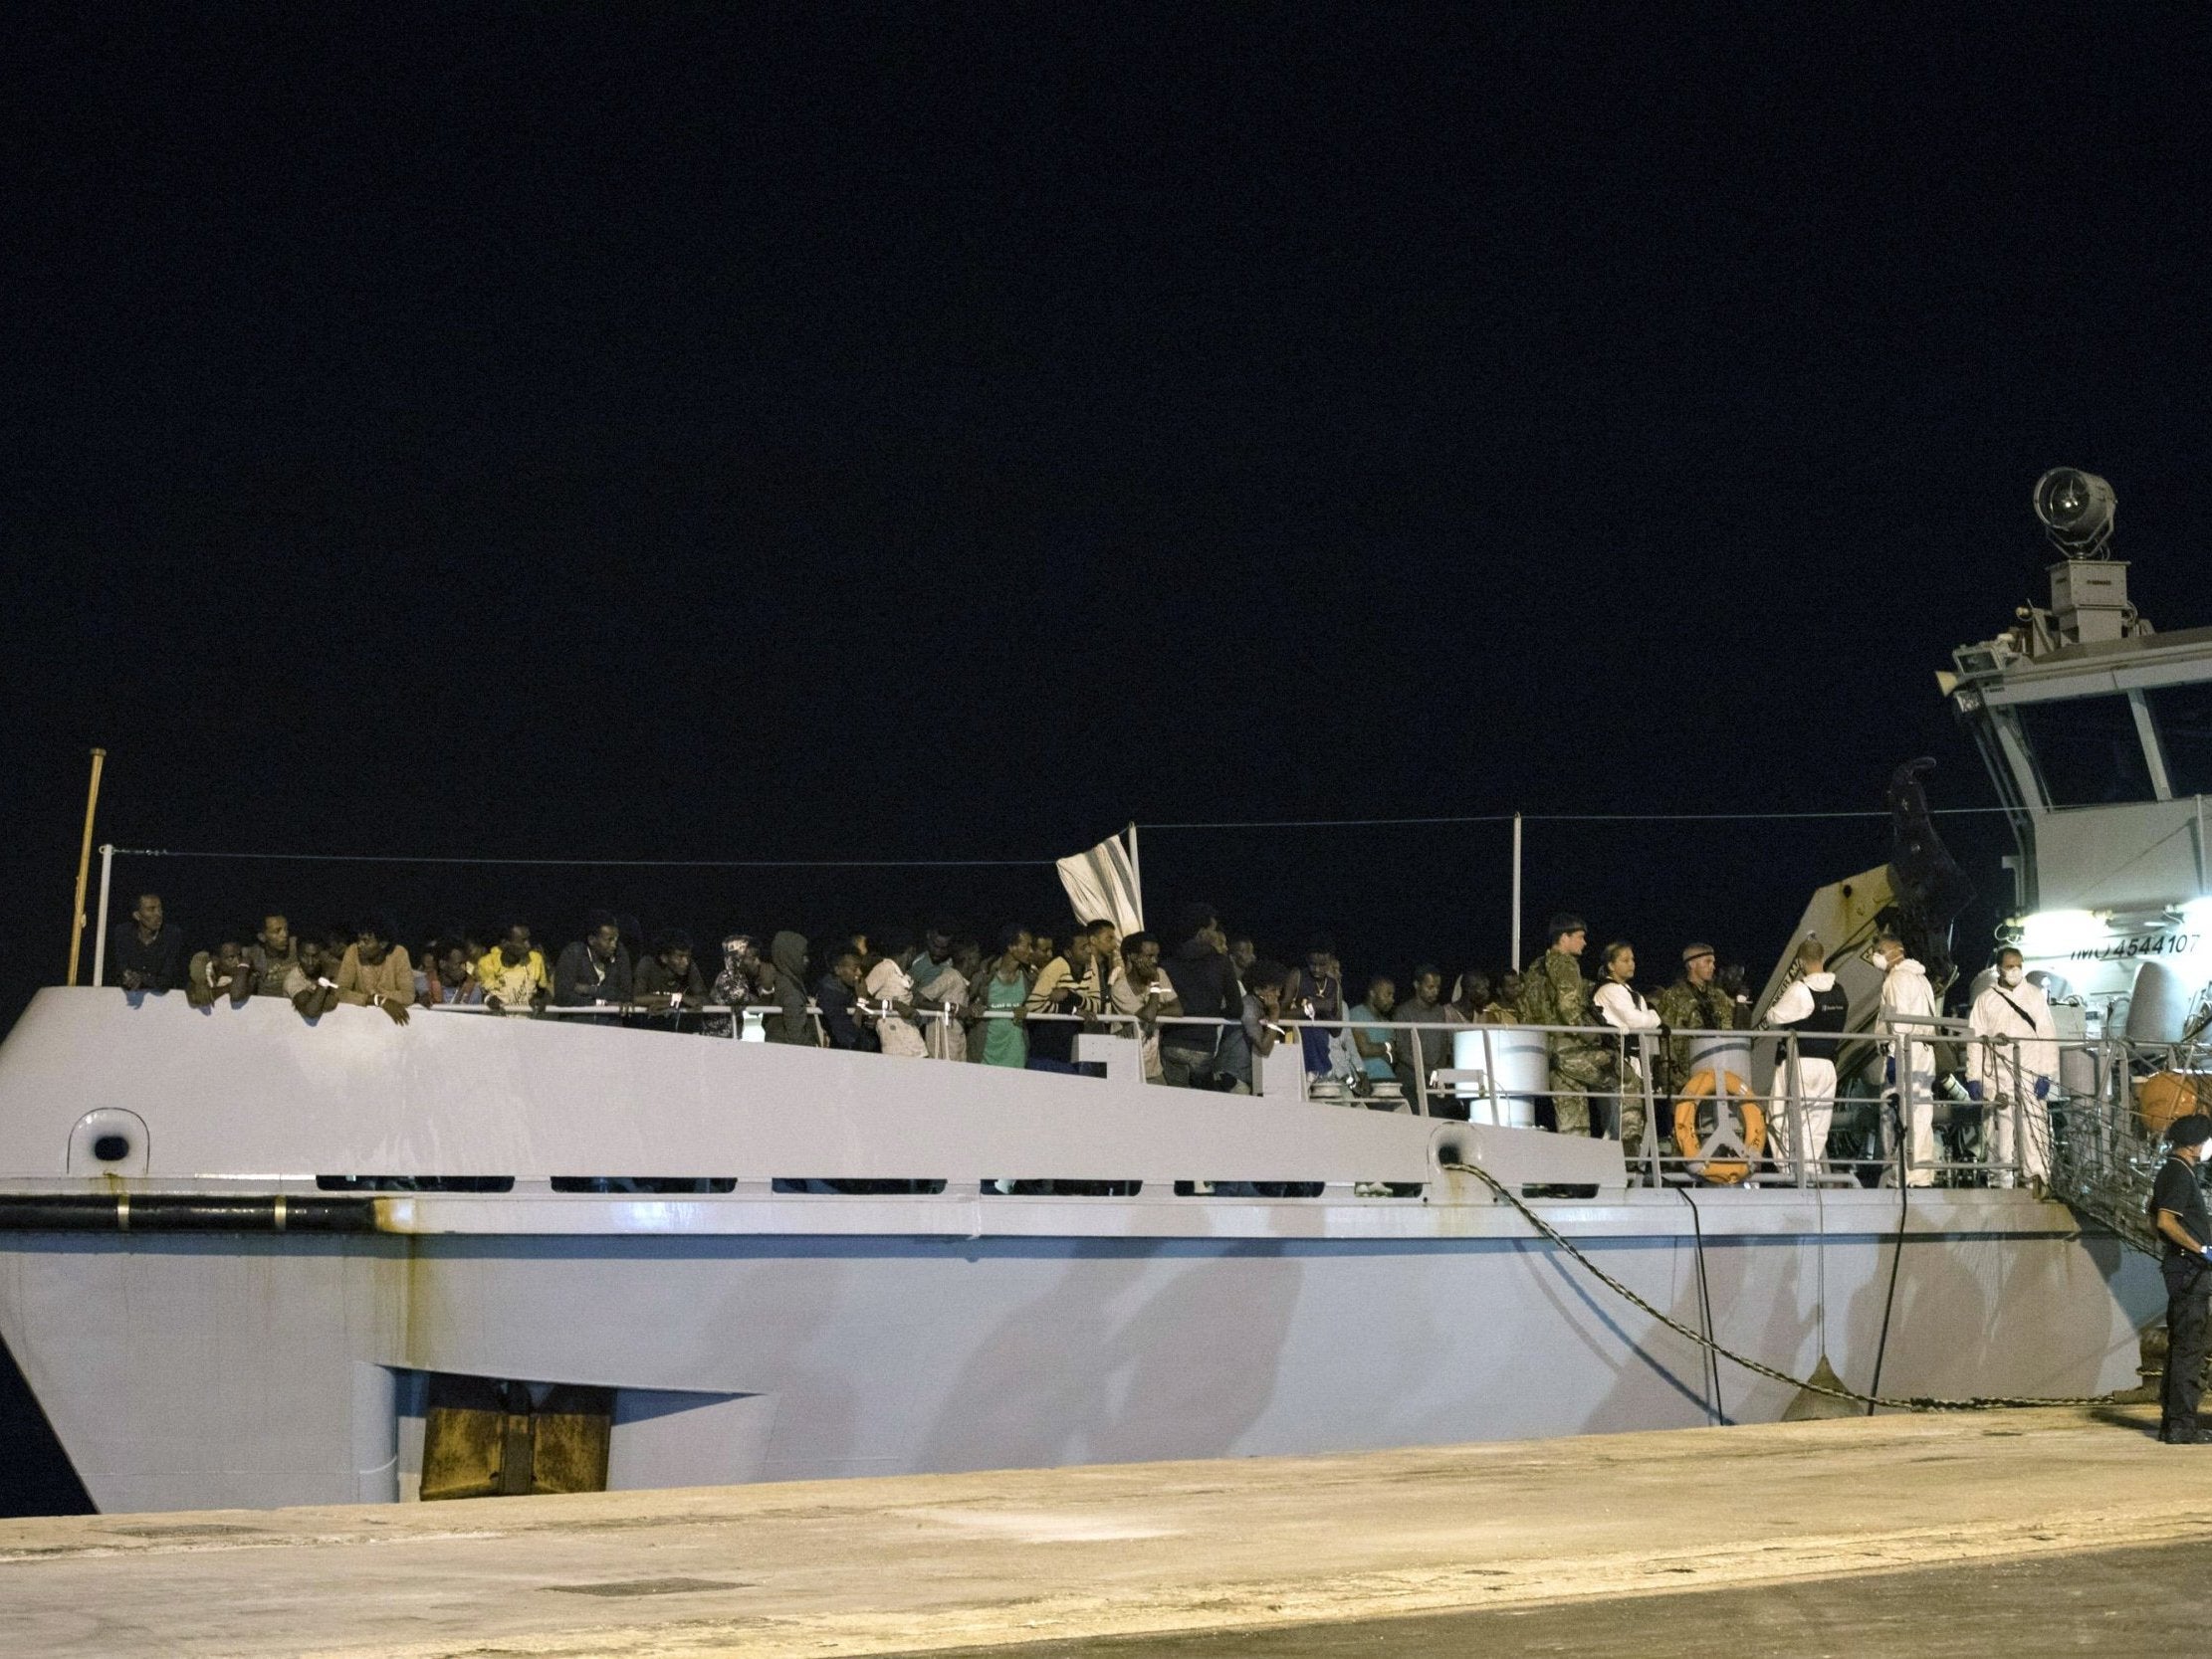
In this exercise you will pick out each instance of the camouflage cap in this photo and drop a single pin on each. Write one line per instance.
(1691, 952)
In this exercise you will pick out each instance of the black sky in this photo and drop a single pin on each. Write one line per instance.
(952, 431)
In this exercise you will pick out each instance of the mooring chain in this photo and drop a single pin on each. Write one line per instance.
(1916, 1402)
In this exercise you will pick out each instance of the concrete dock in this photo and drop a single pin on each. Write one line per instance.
(2023, 1532)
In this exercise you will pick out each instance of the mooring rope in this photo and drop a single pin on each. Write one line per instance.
(1916, 1402)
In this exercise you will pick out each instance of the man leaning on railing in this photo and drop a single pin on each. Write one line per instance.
(375, 972)
(512, 974)
(1207, 986)
(1140, 988)
(595, 969)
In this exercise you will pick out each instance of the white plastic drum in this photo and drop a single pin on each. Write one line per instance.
(1516, 1066)
(1724, 1052)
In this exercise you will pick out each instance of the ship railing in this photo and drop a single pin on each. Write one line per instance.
(943, 1028)
(2118, 1098)
(1668, 1084)
(2083, 1140)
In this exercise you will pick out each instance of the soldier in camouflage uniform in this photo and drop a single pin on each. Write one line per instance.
(1554, 992)
(1695, 1002)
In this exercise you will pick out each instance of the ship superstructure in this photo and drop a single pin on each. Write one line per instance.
(2097, 732)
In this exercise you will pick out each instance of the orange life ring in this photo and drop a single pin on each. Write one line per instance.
(1689, 1137)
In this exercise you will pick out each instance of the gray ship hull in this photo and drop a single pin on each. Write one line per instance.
(762, 1334)
(199, 1372)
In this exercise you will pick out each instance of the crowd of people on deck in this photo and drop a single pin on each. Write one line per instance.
(1206, 1005)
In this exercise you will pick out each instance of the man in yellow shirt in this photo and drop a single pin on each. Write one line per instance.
(513, 973)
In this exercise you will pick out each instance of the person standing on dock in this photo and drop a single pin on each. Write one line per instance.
(2177, 1208)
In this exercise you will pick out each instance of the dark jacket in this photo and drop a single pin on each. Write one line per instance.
(577, 984)
(788, 988)
(845, 1027)
(160, 963)
(1205, 982)
(652, 979)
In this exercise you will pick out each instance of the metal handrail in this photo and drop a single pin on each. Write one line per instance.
(1637, 1083)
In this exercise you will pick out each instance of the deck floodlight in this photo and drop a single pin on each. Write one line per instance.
(2076, 511)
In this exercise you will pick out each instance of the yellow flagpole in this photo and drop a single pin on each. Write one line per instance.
(84, 865)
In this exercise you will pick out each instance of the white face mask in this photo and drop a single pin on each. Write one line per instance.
(2012, 975)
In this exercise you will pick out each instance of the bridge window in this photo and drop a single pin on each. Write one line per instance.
(2087, 751)
(2184, 716)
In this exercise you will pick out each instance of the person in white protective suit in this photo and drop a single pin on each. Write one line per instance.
(1813, 1006)
(2010, 1070)
(1905, 990)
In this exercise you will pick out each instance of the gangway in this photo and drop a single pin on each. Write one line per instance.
(2120, 1096)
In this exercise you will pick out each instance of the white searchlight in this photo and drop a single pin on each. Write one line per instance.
(2076, 510)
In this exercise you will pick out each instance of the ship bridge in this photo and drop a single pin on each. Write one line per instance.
(2097, 732)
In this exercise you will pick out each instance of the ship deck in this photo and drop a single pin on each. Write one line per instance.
(2019, 1532)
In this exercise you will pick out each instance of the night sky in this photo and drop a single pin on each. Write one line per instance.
(685, 432)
